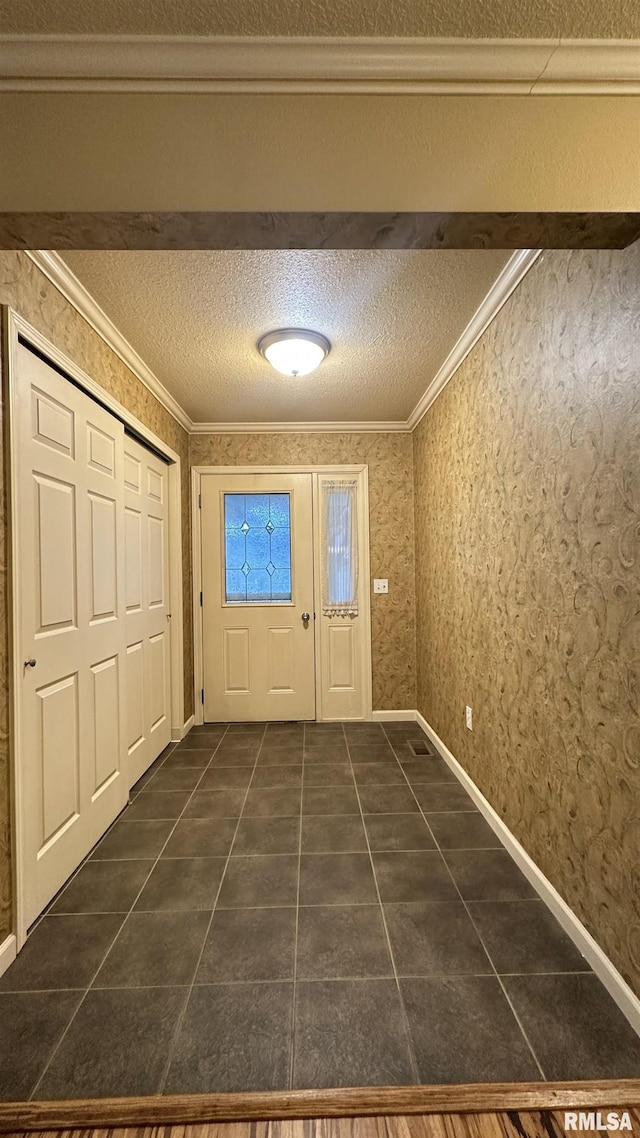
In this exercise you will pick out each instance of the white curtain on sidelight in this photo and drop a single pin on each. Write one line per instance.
(339, 547)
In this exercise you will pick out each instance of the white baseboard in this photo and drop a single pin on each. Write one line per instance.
(615, 984)
(385, 716)
(8, 953)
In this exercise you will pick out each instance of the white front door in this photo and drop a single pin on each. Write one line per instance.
(69, 534)
(147, 607)
(257, 588)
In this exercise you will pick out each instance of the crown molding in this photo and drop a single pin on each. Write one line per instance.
(288, 428)
(505, 283)
(302, 65)
(60, 275)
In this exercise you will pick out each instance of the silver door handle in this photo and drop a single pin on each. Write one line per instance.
(305, 618)
(30, 663)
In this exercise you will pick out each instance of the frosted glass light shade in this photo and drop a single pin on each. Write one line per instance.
(294, 351)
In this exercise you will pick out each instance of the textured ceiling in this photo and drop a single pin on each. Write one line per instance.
(580, 19)
(195, 317)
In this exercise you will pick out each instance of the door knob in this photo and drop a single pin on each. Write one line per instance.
(305, 618)
(30, 663)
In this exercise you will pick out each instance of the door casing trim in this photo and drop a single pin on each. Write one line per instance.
(198, 640)
(15, 327)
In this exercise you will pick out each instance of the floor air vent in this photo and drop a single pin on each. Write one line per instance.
(419, 748)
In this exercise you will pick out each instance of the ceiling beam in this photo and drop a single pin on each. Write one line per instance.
(328, 230)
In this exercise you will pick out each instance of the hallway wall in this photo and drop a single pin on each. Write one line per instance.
(25, 288)
(527, 492)
(389, 455)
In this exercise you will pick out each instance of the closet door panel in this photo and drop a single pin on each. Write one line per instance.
(69, 545)
(148, 616)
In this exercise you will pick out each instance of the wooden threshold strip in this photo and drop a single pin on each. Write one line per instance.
(342, 1102)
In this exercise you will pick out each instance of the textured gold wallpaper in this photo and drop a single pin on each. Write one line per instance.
(389, 456)
(527, 491)
(27, 290)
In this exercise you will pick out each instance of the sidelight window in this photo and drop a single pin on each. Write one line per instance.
(339, 548)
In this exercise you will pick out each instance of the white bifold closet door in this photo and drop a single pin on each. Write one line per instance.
(69, 538)
(91, 544)
(148, 620)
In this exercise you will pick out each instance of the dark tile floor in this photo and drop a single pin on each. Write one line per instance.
(300, 906)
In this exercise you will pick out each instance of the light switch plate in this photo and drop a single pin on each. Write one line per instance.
(380, 585)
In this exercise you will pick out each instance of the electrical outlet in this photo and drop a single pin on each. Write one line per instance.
(468, 716)
(380, 585)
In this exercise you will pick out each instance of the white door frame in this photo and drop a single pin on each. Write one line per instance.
(336, 471)
(15, 327)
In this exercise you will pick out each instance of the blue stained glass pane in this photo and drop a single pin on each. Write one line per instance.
(233, 511)
(258, 585)
(279, 510)
(281, 548)
(281, 585)
(257, 548)
(257, 507)
(235, 555)
(236, 586)
(258, 552)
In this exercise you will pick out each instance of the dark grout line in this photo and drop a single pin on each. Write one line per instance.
(281, 905)
(35, 991)
(300, 979)
(537, 900)
(323, 905)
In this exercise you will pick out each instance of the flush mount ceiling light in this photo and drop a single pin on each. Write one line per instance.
(294, 351)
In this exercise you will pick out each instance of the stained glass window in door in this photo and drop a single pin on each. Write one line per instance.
(257, 548)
